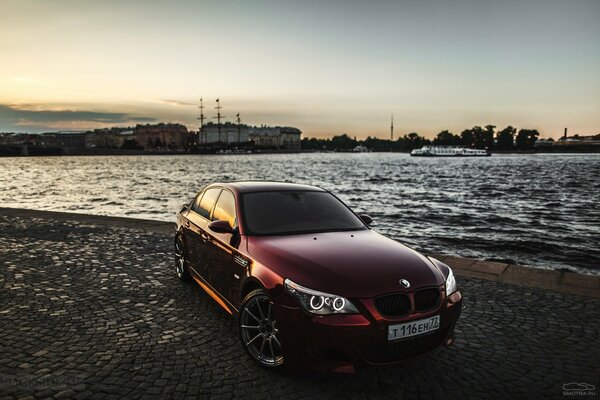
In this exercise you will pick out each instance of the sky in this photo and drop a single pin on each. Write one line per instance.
(326, 67)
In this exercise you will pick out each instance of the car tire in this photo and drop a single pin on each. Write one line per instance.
(258, 330)
(181, 269)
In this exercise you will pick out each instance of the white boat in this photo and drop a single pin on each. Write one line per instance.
(448, 151)
(361, 149)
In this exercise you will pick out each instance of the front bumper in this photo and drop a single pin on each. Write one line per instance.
(345, 342)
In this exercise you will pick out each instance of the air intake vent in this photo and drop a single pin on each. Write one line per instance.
(393, 305)
(427, 299)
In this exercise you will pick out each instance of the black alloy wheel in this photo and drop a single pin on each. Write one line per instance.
(258, 330)
(180, 263)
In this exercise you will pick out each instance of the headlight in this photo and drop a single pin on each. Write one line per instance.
(318, 302)
(450, 283)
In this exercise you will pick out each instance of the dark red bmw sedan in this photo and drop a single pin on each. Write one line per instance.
(309, 282)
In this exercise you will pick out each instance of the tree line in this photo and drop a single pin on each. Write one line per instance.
(478, 137)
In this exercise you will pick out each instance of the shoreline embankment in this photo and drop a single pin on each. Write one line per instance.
(527, 276)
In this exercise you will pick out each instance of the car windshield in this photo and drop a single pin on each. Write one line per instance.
(295, 212)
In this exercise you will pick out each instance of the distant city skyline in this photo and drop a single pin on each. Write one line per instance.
(324, 67)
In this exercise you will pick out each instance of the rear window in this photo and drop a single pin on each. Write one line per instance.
(295, 212)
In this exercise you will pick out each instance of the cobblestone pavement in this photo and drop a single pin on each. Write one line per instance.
(96, 312)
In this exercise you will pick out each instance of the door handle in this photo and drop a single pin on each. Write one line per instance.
(205, 236)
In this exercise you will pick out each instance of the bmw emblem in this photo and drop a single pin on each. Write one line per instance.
(405, 283)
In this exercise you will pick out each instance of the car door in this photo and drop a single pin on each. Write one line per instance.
(189, 238)
(224, 271)
(198, 221)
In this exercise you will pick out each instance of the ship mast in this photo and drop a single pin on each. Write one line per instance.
(218, 117)
(201, 118)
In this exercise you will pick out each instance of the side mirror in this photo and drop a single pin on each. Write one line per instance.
(220, 226)
(366, 219)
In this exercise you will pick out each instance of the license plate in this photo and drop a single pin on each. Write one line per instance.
(413, 328)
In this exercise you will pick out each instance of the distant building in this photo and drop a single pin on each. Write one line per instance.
(290, 138)
(282, 138)
(111, 138)
(73, 139)
(15, 138)
(229, 133)
(125, 137)
(162, 136)
(544, 142)
(577, 139)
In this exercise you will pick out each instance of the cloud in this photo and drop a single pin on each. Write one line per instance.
(176, 103)
(23, 79)
(17, 117)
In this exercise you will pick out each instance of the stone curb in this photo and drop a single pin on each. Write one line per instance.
(560, 281)
(146, 225)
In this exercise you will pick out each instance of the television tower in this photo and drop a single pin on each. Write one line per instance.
(238, 120)
(218, 117)
(392, 129)
(201, 118)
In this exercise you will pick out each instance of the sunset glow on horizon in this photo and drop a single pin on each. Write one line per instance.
(324, 67)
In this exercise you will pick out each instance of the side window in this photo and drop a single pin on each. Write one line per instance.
(225, 208)
(196, 205)
(207, 202)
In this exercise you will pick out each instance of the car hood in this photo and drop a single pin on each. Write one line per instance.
(351, 264)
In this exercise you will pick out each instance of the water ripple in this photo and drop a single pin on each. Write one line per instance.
(533, 209)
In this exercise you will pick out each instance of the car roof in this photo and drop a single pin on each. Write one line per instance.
(266, 186)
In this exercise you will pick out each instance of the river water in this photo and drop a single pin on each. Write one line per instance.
(540, 209)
